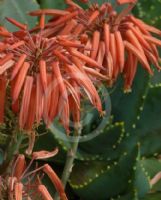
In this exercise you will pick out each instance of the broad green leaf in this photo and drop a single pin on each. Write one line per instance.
(57, 4)
(126, 107)
(152, 8)
(153, 196)
(148, 127)
(103, 180)
(18, 10)
(141, 181)
(152, 167)
(106, 139)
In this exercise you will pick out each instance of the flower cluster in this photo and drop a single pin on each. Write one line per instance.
(118, 40)
(48, 76)
(46, 71)
(51, 67)
(24, 183)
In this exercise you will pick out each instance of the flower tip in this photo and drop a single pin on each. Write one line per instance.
(102, 113)
(44, 154)
(127, 90)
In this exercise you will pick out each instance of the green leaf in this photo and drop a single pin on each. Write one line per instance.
(18, 10)
(46, 141)
(126, 107)
(141, 181)
(152, 167)
(58, 4)
(155, 196)
(103, 180)
(152, 8)
(106, 140)
(148, 127)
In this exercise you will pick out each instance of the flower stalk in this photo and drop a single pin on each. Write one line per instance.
(71, 155)
(11, 151)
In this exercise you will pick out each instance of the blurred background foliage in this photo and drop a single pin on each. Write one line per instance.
(119, 163)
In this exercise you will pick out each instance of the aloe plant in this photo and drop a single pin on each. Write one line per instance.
(120, 160)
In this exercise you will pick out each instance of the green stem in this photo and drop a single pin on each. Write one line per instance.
(11, 151)
(71, 154)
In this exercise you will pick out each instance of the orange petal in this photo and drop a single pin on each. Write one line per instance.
(44, 154)
(120, 50)
(6, 58)
(61, 56)
(39, 99)
(25, 101)
(43, 75)
(130, 37)
(55, 180)
(32, 109)
(101, 53)
(6, 66)
(18, 65)
(16, 45)
(48, 12)
(110, 67)
(20, 80)
(18, 191)
(85, 58)
(153, 40)
(47, 98)
(93, 17)
(113, 52)
(84, 82)
(54, 100)
(78, 29)
(44, 192)
(20, 166)
(121, 2)
(16, 23)
(5, 34)
(63, 19)
(95, 44)
(106, 37)
(68, 28)
(139, 55)
(42, 21)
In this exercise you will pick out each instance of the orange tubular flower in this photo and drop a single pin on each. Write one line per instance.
(113, 37)
(41, 70)
(24, 183)
(121, 2)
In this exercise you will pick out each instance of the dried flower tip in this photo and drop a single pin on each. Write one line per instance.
(44, 154)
